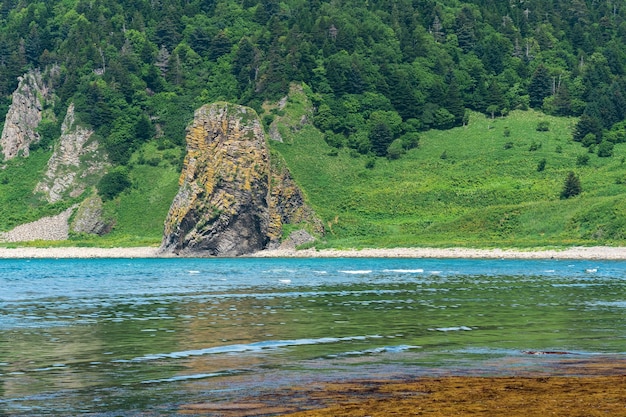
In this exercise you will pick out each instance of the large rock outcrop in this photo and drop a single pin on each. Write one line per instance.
(76, 163)
(24, 115)
(230, 202)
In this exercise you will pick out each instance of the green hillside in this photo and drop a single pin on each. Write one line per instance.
(427, 122)
(479, 185)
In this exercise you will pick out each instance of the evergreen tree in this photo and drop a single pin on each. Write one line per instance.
(380, 138)
(540, 86)
(587, 125)
(453, 102)
(571, 187)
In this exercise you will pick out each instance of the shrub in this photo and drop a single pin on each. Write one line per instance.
(334, 139)
(535, 146)
(508, 145)
(605, 149)
(543, 126)
(541, 165)
(507, 132)
(410, 140)
(396, 149)
(582, 160)
(112, 184)
(589, 139)
(48, 131)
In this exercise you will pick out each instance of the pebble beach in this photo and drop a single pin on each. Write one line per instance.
(578, 252)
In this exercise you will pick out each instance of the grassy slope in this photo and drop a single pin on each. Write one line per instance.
(141, 210)
(481, 195)
(18, 179)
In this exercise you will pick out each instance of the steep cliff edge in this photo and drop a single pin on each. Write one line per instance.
(230, 202)
(76, 163)
(24, 115)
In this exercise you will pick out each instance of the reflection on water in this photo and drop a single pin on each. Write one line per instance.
(143, 336)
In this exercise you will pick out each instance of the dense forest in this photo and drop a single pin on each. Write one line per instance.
(379, 71)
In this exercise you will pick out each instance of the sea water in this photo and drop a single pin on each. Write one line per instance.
(143, 336)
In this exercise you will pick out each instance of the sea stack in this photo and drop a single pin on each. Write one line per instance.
(225, 205)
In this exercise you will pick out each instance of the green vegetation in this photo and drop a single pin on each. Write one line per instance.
(482, 194)
(17, 181)
(424, 123)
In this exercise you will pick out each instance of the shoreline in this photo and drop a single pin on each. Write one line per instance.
(571, 253)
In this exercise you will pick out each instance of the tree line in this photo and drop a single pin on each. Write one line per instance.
(379, 71)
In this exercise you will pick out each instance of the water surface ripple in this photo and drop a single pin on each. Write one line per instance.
(144, 336)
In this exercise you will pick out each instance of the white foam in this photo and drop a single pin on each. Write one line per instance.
(451, 329)
(383, 349)
(406, 271)
(357, 271)
(184, 378)
(242, 348)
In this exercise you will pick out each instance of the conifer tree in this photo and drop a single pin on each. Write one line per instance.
(540, 86)
(572, 186)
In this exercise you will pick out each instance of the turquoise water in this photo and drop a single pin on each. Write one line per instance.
(144, 336)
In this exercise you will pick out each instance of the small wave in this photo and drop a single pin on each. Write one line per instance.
(405, 271)
(243, 348)
(193, 272)
(451, 329)
(374, 351)
(180, 378)
(357, 271)
(284, 281)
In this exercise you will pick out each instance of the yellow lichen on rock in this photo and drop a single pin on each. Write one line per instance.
(225, 205)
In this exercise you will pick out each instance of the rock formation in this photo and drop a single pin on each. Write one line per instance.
(230, 202)
(24, 115)
(89, 217)
(76, 163)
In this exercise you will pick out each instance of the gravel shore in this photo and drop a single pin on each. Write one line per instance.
(595, 252)
(577, 252)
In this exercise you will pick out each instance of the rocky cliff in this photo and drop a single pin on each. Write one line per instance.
(24, 115)
(230, 201)
(76, 163)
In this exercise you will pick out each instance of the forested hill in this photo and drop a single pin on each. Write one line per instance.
(380, 77)
(134, 63)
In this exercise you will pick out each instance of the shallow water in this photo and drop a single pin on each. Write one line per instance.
(145, 336)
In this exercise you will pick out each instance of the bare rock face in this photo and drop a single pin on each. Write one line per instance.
(24, 115)
(76, 163)
(225, 205)
(221, 207)
(89, 217)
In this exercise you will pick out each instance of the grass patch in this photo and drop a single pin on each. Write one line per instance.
(487, 192)
(18, 179)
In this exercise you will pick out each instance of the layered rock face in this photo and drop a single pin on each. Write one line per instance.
(225, 205)
(24, 116)
(76, 163)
